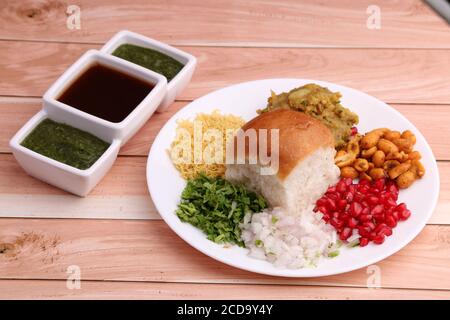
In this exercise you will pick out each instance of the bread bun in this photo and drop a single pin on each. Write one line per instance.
(299, 136)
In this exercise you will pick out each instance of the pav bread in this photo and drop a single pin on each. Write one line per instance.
(305, 155)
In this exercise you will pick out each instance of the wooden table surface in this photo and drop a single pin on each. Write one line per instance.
(405, 63)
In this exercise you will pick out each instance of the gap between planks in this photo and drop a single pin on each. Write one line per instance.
(243, 45)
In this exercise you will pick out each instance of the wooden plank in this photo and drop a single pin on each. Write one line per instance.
(150, 251)
(42, 289)
(393, 75)
(343, 23)
(431, 120)
(122, 194)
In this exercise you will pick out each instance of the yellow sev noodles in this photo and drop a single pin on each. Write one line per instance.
(189, 162)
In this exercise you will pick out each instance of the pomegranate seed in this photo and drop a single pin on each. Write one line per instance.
(401, 206)
(395, 215)
(369, 225)
(380, 227)
(341, 187)
(335, 222)
(365, 211)
(390, 202)
(365, 217)
(364, 182)
(377, 210)
(324, 210)
(355, 209)
(331, 189)
(404, 215)
(378, 239)
(341, 204)
(392, 189)
(347, 181)
(352, 222)
(331, 204)
(363, 242)
(364, 189)
(363, 231)
(380, 184)
(321, 202)
(333, 196)
(386, 231)
(348, 196)
(345, 234)
(378, 217)
(344, 217)
(373, 200)
(354, 131)
(390, 221)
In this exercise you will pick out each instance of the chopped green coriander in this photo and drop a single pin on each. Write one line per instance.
(274, 219)
(259, 243)
(333, 254)
(353, 244)
(217, 207)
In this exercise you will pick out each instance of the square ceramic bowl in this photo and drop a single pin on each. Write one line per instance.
(66, 177)
(102, 128)
(179, 82)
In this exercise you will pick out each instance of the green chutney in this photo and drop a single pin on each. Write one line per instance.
(65, 144)
(150, 59)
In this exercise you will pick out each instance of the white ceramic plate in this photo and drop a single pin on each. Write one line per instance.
(166, 185)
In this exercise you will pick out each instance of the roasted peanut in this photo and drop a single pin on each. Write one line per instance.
(404, 156)
(394, 156)
(345, 159)
(399, 156)
(419, 169)
(407, 134)
(340, 153)
(390, 164)
(404, 144)
(387, 146)
(368, 153)
(406, 179)
(349, 172)
(379, 131)
(370, 140)
(376, 173)
(364, 176)
(361, 165)
(371, 166)
(415, 155)
(391, 135)
(353, 146)
(378, 158)
(398, 170)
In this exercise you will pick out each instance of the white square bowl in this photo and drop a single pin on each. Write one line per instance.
(71, 179)
(102, 128)
(179, 82)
